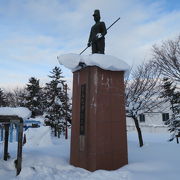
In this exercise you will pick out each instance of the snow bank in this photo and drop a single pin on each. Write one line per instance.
(18, 111)
(107, 62)
(40, 137)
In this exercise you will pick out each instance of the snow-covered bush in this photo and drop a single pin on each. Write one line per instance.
(172, 95)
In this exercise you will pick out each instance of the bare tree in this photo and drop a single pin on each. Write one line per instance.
(16, 97)
(3, 100)
(19, 94)
(10, 96)
(167, 58)
(142, 90)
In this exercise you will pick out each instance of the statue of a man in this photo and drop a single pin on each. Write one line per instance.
(96, 37)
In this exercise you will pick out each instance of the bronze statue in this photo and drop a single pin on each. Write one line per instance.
(96, 37)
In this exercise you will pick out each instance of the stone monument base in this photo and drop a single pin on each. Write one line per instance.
(98, 139)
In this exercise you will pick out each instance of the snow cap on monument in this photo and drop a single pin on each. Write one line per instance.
(106, 62)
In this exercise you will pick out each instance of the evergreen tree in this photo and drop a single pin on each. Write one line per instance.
(33, 97)
(2, 98)
(56, 106)
(171, 95)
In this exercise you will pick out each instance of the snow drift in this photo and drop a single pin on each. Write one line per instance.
(107, 62)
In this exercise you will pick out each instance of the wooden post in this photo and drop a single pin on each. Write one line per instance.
(11, 133)
(6, 141)
(17, 130)
(2, 134)
(19, 150)
(66, 129)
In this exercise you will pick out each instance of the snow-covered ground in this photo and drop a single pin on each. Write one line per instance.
(47, 158)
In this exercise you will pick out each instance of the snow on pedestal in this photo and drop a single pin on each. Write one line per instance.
(22, 112)
(106, 62)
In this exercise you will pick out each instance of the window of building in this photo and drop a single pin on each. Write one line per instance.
(165, 116)
(142, 118)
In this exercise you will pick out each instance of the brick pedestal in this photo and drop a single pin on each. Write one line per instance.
(98, 138)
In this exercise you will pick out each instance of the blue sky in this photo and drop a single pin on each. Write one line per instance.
(34, 32)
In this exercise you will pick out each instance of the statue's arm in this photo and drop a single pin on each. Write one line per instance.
(104, 30)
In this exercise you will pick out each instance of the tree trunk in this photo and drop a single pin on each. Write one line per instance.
(138, 131)
(59, 133)
(55, 130)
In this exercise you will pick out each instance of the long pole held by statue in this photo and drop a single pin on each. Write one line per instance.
(106, 29)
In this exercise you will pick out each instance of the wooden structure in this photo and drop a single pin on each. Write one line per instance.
(98, 136)
(6, 120)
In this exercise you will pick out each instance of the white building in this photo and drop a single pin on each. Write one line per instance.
(151, 122)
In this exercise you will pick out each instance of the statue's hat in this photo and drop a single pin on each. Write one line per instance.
(96, 12)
